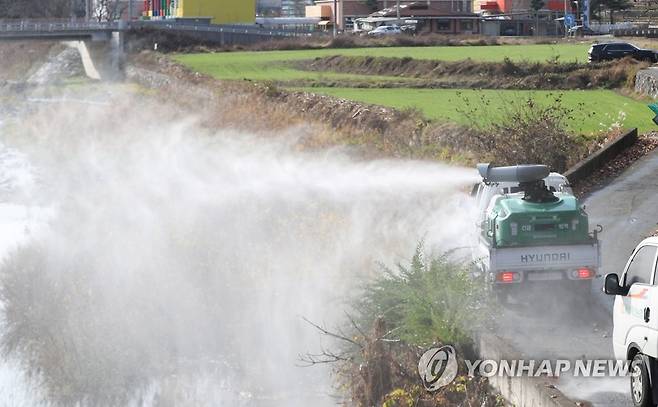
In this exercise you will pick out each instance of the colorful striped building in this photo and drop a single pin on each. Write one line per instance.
(221, 11)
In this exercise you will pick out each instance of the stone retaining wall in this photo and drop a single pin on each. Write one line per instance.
(646, 82)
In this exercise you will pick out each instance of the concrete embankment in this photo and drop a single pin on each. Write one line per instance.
(519, 391)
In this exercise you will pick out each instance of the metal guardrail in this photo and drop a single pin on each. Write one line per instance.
(636, 32)
(50, 27)
(229, 29)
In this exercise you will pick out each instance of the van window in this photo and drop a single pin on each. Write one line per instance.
(641, 267)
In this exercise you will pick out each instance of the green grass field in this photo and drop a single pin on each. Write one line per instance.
(595, 110)
(271, 65)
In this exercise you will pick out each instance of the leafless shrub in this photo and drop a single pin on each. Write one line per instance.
(525, 132)
(52, 320)
(41, 8)
(108, 10)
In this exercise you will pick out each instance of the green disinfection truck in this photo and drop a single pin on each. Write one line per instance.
(532, 231)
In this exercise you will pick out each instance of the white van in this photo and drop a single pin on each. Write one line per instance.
(635, 318)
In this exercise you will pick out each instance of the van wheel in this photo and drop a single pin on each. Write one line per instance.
(640, 387)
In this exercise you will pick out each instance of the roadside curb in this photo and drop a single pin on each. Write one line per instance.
(597, 160)
(519, 391)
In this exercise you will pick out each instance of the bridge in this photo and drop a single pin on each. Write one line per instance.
(57, 30)
(84, 30)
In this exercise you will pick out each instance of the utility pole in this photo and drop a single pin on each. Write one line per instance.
(335, 18)
(130, 10)
(397, 5)
(565, 19)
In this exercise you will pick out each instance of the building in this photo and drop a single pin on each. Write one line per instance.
(294, 8)
(219, 11)
(445, 17)
(349, 10)
(515, 6)
(516, 17)
(268, 8)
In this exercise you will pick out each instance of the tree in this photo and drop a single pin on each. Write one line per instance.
(108, 10)
(536, 5)
(598, 6)
(595, 7)
(616, 5)
(372, 4)
(41, 8)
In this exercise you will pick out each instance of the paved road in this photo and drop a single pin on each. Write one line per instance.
(627, 209)
(557, 328)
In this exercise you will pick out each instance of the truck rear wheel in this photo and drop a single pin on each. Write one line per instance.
(640, 385)
(502, 296)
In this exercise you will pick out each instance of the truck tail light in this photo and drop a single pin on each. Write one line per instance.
(583, 274)
(507, 277)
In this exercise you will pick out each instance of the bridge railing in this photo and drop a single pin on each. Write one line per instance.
(225, 28)
(245, 33)
(35, 26)
(55, 26)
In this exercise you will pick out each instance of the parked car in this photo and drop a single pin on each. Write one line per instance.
(509, 31)
(409, 29)
(635, 320)
(385, 30)
(618, 50)
(581, 30)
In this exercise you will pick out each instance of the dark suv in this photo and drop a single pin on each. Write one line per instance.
(617, 50)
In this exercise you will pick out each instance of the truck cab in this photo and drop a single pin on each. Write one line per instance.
(635, 319)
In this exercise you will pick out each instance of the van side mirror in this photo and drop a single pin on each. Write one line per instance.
(612, 287)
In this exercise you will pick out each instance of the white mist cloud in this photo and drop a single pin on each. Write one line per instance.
(178, 261)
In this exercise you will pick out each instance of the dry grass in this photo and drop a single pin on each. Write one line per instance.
(57, 325)
(323, 121)
(421, 40)
(373, 131)
(491, 75)
(144, 38)
(19, 58)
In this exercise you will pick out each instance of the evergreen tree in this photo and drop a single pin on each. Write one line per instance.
(372, 4)
(536, 5)
(616, 5)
